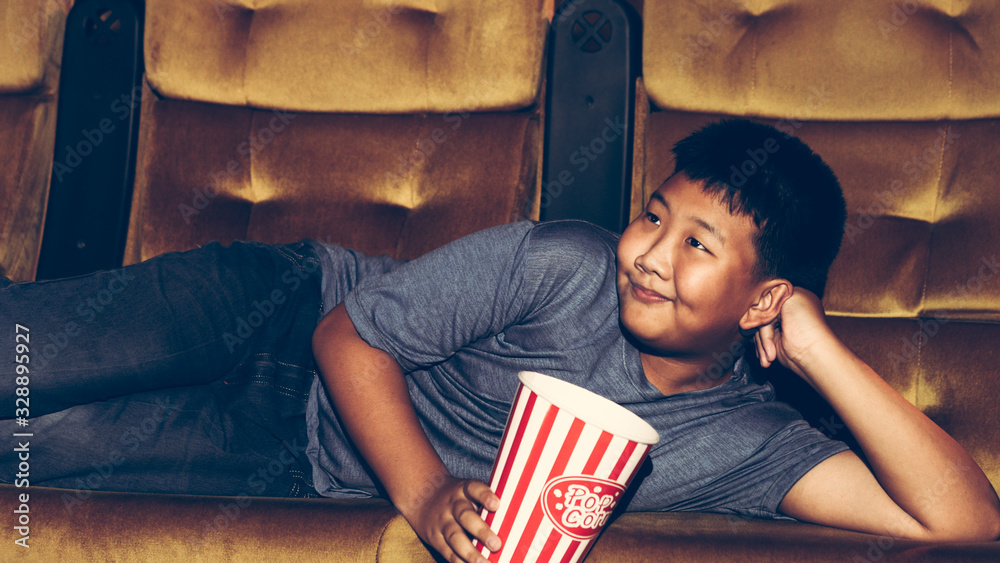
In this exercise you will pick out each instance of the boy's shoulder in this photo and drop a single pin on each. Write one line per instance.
(570, 260)
(564, 237)
(573, 239)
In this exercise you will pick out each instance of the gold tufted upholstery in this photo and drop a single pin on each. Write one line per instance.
(900, 99)
(884, 61)
(139, 527)
(361, 56)
(387, 128)
(275, 120)
(31, 35)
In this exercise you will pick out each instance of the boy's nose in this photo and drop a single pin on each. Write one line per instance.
(655, 261)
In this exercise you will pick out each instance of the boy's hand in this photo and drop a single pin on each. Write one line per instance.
(795, 334)
(907, 454)
(368, 388)
(447, 518)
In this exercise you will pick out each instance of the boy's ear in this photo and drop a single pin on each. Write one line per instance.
(767, 307)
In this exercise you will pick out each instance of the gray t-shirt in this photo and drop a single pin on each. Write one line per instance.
(463, 320)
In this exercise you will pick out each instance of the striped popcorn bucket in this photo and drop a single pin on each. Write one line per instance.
(566, 458)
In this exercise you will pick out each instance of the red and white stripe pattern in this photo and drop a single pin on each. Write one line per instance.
(541, 435)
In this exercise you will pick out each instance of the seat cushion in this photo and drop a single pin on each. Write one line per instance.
(355, 56)
(395, 184)
(32, 35)
(746, 57)
(91, 526)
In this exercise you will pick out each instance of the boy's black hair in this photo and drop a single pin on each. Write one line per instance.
(792, 196)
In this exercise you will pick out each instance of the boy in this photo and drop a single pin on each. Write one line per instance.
(706, 263)
(418, 365)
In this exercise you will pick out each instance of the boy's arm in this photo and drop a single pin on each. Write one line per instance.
(368, 389)
(925, 485)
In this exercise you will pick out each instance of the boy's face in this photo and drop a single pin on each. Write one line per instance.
(685, 271)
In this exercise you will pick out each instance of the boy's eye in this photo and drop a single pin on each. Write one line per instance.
(652, 218)
(694, 242)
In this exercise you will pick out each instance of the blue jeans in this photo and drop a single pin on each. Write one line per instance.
(187, 373)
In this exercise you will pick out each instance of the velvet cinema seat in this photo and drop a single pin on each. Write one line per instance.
(390, 127)
(278, 120)
(899, 99)
(31, 39)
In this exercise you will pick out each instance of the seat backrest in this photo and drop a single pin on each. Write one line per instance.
(900, 98)
(390, 127)
(31, 38)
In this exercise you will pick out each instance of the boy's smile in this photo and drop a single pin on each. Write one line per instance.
(685, 274)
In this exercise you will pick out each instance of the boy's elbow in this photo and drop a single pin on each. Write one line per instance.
(982, 527)
(993, 532)
(987, 523)
(987, 533)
